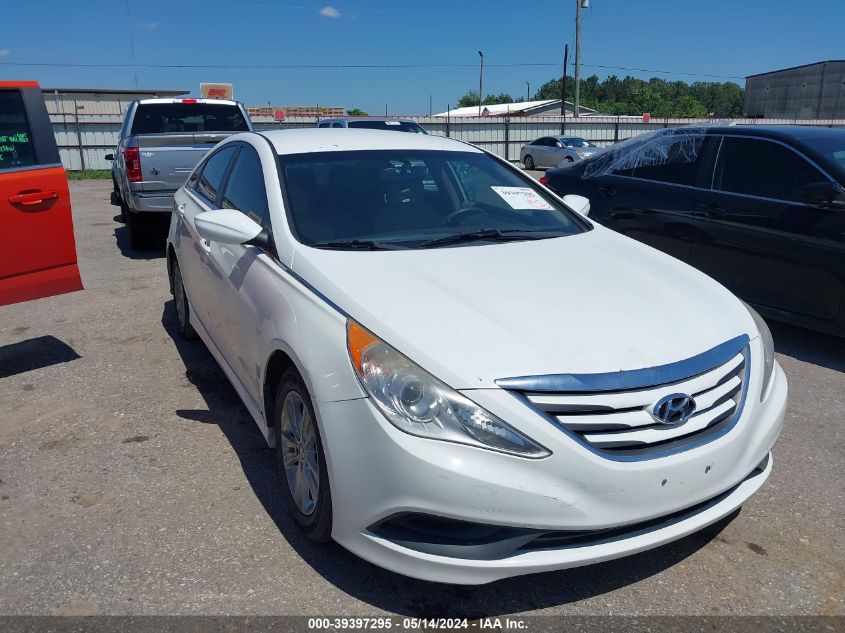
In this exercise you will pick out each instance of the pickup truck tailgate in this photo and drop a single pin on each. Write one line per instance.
(168, 159)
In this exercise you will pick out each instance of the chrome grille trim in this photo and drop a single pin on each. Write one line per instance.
(618, 423)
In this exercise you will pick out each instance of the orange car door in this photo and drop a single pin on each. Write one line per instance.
(38, 257)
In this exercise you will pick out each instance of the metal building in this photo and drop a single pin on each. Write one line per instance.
(813, 91)
(87, 121)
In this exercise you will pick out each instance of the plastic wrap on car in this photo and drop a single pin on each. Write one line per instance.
(645, 150)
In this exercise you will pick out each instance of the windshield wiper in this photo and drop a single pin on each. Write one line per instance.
(358, 245)
(497, 235)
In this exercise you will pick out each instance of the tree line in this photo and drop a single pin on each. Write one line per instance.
(633, 96)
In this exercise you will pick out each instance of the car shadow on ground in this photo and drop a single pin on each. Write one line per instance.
(156, 250)
(34, 353)
(376, 586)
(820, 349)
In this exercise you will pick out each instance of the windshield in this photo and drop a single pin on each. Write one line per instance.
(407, 198)
(577, 142)
(397, 126)
(165, 118)
(832, 147)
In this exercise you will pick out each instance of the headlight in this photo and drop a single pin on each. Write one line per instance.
(768, 348)
(416, 402)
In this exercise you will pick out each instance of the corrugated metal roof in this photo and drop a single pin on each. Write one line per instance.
(769, 72)
(138, 91)
(499, 109)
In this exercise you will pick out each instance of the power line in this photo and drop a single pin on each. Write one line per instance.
(351, 66)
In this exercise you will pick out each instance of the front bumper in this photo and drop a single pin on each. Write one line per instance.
(377, 471)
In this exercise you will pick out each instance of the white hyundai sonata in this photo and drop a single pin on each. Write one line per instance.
(463, 377)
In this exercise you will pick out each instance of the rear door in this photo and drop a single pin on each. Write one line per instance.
(202, 279)
(650, 196)
(38, 258)
(760, 239)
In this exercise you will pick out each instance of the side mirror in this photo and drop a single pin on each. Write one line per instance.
(226, 226)
(109, 156)
(579, 204)
(823, 194)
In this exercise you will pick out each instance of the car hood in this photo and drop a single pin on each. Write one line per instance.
(590, 303)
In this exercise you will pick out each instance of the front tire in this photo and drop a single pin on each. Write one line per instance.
(302, 463)
(528, 162)
(183, 309)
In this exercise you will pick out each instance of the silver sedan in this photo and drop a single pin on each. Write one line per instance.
(551, 151)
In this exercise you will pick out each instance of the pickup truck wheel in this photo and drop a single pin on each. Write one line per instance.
(140, 231)
(302, 463)
(123, 212)
(183, 309)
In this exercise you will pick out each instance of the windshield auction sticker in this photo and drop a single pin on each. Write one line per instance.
(522, 198)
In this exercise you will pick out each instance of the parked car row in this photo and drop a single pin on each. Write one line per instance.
(759, 208)
(446, 398)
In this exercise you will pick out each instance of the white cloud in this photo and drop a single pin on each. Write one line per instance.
(5, 52)
(148, 26)
(329, 12)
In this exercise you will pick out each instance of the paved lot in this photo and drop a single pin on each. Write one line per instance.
(133, 481)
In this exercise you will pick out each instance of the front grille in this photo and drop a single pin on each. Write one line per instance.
(619, 421)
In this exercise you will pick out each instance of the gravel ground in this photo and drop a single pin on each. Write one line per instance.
(132, 481)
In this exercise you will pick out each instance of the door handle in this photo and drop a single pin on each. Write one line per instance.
(608, 190)
(33, 198)
(180, 209)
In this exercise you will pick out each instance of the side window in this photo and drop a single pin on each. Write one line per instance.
(337, 124)
(211, 176)
(762, 168)
(16, 146)
(671, 159)
(324, 125)
(245, 190)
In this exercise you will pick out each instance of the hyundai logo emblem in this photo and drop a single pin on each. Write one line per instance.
(673, 409)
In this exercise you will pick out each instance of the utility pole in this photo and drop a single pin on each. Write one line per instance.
(579, 4)
(429, 105)
(563, 89)
(480, 83)
(527, 91)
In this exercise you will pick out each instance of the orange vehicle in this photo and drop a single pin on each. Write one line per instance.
(38, 258)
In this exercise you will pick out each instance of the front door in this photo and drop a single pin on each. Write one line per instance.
(758, 237)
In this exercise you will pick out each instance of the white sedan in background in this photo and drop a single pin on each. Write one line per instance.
(464, 378)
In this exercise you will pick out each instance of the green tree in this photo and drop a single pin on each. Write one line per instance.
(656, 96)
(356, 112)
(471, 99)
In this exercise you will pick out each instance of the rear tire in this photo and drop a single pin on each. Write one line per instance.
(528, 162)
(301, 459)
(183, 308)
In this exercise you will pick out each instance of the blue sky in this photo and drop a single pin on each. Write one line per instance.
(682, 36)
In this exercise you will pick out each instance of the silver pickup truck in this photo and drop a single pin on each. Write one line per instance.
(161, 142)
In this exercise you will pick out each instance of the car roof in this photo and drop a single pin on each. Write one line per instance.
(306, 140)
(189, 100)
(781, 132)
